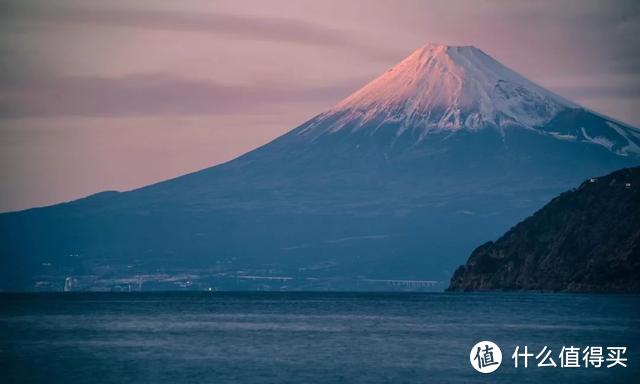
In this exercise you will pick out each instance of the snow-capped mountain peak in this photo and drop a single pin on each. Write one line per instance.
(441, 88)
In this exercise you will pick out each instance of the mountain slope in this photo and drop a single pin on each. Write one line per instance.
(399, 181)
(587, 239)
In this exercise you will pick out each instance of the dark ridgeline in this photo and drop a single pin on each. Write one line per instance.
(585, 240)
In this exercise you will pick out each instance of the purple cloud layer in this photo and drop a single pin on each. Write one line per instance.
(152, 95)
(220, 24)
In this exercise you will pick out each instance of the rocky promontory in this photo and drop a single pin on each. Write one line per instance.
(585, 240)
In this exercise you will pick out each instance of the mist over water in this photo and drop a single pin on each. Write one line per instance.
(305, 337)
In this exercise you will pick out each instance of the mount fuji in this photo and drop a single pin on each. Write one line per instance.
(398, 182)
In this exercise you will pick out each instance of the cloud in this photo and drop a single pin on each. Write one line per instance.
(287, 30)
(599, 91)
(152, 95)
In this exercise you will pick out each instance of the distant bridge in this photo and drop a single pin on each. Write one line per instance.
(270, 278)
(405, 283)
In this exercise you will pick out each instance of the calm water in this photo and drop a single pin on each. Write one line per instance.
(304, 337)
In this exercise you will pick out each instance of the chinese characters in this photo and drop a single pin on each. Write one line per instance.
(572, 357)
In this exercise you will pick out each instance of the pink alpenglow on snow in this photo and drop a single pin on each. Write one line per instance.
(443, 87)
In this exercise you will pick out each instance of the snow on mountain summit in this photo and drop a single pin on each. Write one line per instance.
(440, 87)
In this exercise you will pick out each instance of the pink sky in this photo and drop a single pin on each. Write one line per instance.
(116, 95)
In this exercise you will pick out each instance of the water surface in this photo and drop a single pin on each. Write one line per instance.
(305, 337)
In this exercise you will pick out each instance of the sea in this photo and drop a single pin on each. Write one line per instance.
(305, 338)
